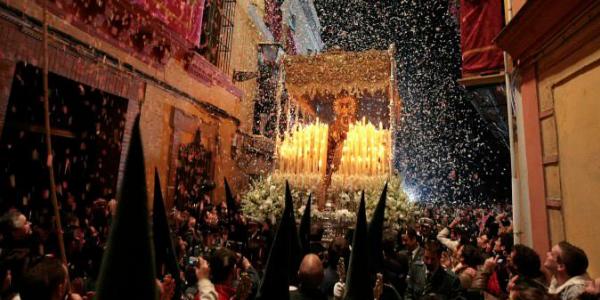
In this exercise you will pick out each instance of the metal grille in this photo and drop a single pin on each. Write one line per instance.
(226, 35)
(217, 32)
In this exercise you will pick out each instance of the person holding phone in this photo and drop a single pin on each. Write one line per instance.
(218, 276)
(206, 289)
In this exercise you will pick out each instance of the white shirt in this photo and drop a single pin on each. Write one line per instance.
(414, 252)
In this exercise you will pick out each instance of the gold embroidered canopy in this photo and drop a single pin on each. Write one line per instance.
(317, 84)
(336, 71)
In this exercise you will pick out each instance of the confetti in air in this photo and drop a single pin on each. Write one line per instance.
(444, 148)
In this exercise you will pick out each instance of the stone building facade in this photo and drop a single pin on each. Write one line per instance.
(176, 90)
(554, 74)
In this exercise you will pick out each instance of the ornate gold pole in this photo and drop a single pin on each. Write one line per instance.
(280, 80)
(392, 147)
(288, 113)
(278, 93)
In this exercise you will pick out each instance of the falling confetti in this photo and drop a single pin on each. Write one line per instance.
(441, 133)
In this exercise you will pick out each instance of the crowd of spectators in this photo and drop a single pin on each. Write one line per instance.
(442, 252)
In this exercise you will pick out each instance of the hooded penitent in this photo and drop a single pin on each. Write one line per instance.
(166, 259)
(375, 235)
(127, 270)
(284, 256)
(304, 230)
(358, 283)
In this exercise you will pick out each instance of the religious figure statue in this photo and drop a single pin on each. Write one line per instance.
(344, 109)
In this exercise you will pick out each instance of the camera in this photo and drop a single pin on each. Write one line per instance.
(193, 261)
(235, 246)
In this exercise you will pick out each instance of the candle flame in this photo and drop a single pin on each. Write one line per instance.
(366, 150)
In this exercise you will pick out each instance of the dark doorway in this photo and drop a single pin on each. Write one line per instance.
(87, 133)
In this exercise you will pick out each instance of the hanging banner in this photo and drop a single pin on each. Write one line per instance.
(480, 23)
(183, 17)
(273, 16)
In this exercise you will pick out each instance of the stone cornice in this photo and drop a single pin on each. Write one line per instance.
(538, 23)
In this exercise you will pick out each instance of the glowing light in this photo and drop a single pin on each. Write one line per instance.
(366, 150)
(412, 194)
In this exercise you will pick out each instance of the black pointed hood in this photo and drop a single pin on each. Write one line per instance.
(304, 230)
(231, 204)
(284, 258)
(375, 235)
(276, 280)
(358, 284)
(127, 270)
(163, 243)
(295, 246)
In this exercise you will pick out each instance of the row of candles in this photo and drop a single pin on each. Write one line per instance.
(304, 149)
(366, 150)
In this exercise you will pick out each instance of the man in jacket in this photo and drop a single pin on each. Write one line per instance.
(438, 282)
(415, 281)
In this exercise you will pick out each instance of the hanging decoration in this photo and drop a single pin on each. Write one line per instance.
(193, 178)
(337, 71)
(182, 17)
(151, 30)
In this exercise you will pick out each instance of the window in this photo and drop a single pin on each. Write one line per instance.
(217, 31)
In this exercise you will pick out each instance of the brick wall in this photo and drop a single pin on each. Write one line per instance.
(133, 108)
(244, 57)
(18, 45)
(226, 166)
(160, 135)
(156, 136)
(7, 69)
(184, 125)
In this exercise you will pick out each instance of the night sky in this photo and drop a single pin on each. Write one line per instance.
(446, 151)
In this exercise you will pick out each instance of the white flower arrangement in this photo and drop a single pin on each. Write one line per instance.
(265, 199)
(344, 215)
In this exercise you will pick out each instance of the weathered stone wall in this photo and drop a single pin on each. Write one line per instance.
(156, 93)
(569, 89)
(244, 57)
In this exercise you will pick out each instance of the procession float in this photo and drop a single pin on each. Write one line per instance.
(338, 114)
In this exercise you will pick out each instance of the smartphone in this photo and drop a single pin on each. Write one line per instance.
(237, 247)
(193, 261)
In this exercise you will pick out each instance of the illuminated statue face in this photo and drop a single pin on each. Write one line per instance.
(345, 110)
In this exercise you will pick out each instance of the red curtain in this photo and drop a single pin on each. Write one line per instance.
(182, 17)
(273, 18)
(480, 23)
(290, 47)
